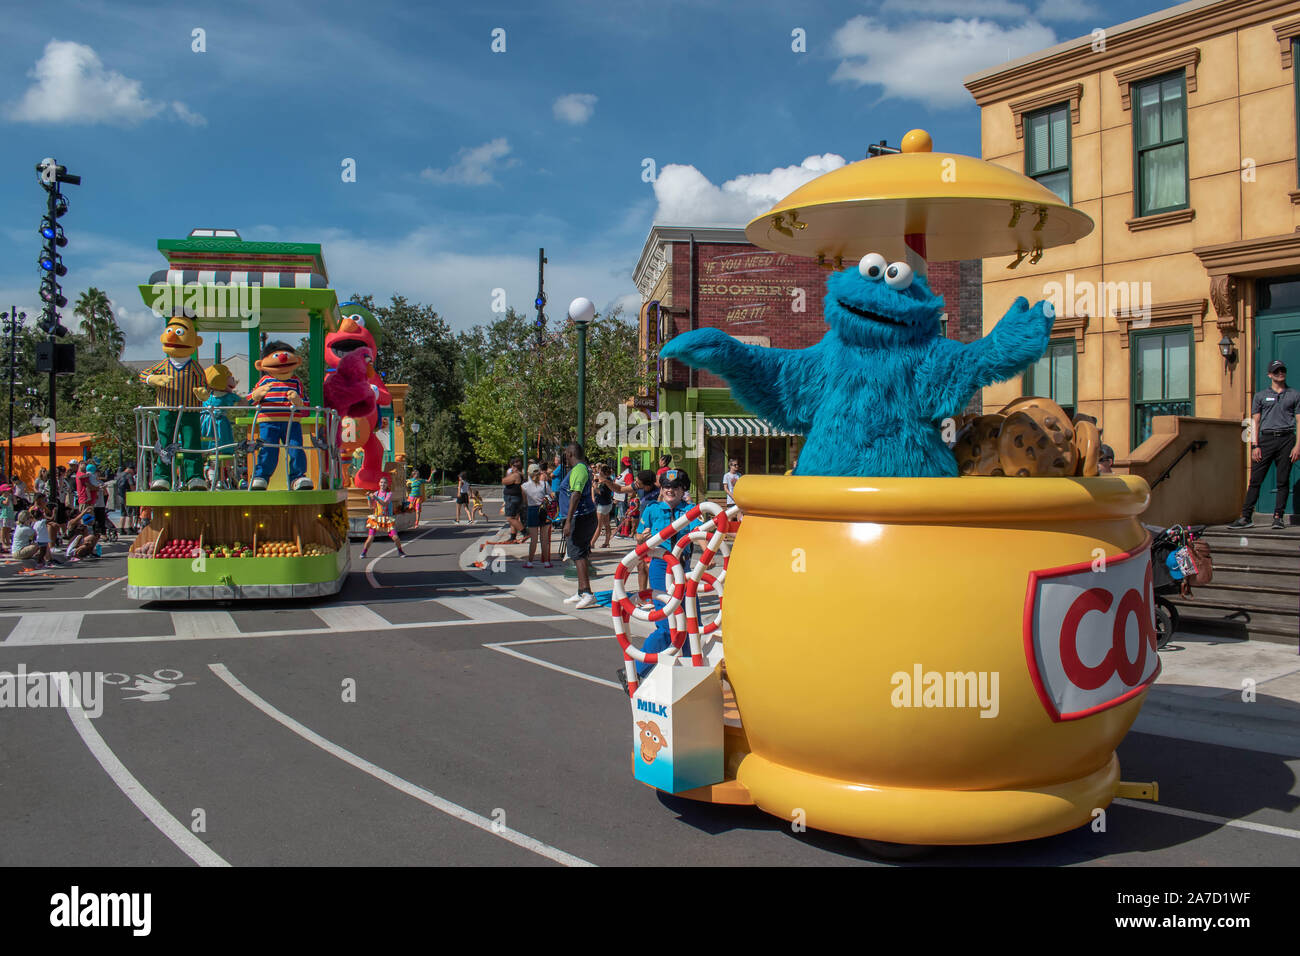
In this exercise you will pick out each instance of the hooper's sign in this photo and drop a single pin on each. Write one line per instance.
(1090, 636)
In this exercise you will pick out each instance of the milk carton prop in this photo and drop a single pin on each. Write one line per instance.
(677, 727)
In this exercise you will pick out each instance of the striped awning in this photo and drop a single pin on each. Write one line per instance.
(744, 428)
(267, 280)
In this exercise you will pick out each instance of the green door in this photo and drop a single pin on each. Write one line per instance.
(1277, 328)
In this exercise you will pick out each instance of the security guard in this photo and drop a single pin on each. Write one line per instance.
(1275, 412)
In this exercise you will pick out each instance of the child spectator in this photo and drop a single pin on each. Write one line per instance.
(657, 516)
(6, 515)
(23, 545)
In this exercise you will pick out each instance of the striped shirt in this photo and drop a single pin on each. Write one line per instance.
(278, 396)
(185, 379)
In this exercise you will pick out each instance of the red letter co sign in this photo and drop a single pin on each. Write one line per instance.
(1090, 636)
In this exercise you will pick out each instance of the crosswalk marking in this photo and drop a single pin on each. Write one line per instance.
(481, 610)
(56, 627)
(203, 623)
(351, 617)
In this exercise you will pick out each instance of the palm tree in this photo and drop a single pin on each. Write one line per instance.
(97, 321)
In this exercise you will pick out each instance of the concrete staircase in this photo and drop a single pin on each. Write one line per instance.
(1256, 589)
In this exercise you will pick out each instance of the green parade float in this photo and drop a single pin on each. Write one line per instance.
(207, 537)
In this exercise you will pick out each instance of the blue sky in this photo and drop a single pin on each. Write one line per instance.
(467, 160)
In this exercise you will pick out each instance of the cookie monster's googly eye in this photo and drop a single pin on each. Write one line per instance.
(898, 276)
(872, 265)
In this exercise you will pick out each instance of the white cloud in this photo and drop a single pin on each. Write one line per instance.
(186, 115)
(685, 194)
(1068, 10)
(926, 60)
(957, 8)
(72, 86)
(575, 108)
(474, 165)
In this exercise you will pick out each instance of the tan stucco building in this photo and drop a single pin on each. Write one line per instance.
(1177, 134)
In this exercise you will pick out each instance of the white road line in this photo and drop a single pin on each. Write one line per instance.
(481, 610)
(505, 647)
(1209, 818)
(287, 632)
(103, 587)
(353, 617)
(59, 627)
(370, 568)
(396, 782)
(201, 624)
(173, 829)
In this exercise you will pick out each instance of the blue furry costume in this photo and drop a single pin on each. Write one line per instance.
(872, 395)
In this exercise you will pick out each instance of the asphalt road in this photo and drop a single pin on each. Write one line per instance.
(384, 728)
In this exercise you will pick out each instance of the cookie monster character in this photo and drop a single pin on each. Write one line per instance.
(279, 394)
(872, 395)
(174, 380)
(359, 332)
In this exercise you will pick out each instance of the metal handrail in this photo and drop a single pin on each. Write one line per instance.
(1194, 447)
(149, 443)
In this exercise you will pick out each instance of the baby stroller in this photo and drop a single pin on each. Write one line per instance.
(627, 527)
(1179, 559)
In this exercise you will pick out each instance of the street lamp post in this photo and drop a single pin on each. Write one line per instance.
(415, 434)
(16, 320)
(581, 311)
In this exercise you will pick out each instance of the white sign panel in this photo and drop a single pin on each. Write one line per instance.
(1090, 636)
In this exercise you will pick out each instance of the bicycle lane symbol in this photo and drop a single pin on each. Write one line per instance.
(149, 687)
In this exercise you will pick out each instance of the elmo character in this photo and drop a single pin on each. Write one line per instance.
(356, 335)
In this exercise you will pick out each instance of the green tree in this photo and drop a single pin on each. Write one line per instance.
(514, 386)
(442, 446)
(98, 324)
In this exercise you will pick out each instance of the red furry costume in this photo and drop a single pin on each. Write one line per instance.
(354, 339)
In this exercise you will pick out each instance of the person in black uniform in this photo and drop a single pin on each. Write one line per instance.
(1274, 414)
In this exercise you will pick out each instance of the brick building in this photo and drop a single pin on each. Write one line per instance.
(697, 277)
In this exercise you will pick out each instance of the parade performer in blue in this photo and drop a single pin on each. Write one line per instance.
(219, 394)
(872, 395)
(674, 484)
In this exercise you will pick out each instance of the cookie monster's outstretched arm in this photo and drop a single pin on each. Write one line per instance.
(952, 372)
(782, 385)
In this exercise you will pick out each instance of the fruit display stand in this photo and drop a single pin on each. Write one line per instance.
(226, 545)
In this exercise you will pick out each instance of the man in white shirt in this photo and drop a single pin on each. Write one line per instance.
(729, 481)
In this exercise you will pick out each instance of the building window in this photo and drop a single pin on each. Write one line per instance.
(1047, 149)
(1162, 377)
(757, 456)
(1054, 375)
(1160, 144)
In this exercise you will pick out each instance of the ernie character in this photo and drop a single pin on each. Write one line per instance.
(219, 394)
(277, 394)
(174, 380)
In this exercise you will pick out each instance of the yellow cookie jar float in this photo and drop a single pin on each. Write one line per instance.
(933, 660)
(843, 594)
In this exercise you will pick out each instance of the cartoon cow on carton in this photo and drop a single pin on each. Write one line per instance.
(652, 740)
